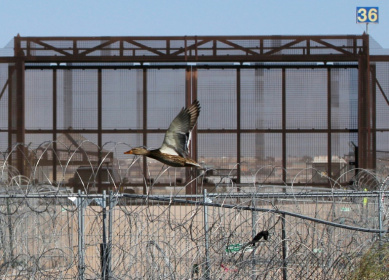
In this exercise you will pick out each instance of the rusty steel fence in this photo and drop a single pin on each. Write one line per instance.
(292, 140)
(288, 102)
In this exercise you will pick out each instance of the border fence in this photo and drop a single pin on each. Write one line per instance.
(288, 101)
(290, 131)
(49, 233)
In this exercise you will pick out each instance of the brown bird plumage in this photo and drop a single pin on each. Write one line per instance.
(174, 149)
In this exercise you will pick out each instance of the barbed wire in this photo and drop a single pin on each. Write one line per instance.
(49, 232)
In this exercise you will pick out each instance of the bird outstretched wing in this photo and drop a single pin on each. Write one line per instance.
(178, 135)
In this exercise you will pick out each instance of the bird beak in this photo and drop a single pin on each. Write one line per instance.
(129, 152)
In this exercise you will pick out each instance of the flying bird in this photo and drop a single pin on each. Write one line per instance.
(174, 149)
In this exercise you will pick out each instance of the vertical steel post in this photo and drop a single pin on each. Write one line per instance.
(190, 96)
(194, 142)
(329, 127)
(284, 249)
(20, 106)
(54, 159)
(374, 116)
(104, 244)
(253, 233)
(380, 210)
(238, 126)
(10, 234)
(99, 108)
(380, 197)
(144, 125)
(68, 93)
(81, 243)
(193, 94)
(99, 129)
(188, 99)
(206, 266)
(110, 222)
(284, 126)
(11, 110)
(365, 110)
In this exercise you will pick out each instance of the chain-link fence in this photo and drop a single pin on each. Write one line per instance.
(308, 233)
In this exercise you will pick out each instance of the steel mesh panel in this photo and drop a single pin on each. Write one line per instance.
(261, 106)
(64, 99)
(217, 150)
(38, 139)
(304, 150)
(77, 148)
(77, 99)
(382, 116)
(382, 96)
(118, 143)
(3, 96)
(128, 167)
(39, 99)
(154, 140)
(261, 158)
(341, 144)
(297, 145)
(122, 99)
(37, 158)
(342, 152)
(165, 96)
(12, 101)
(261, 99)
(217, 92)
(3, 141)
(85, 99)
(344, 98)
(306, 98)
(383, 151)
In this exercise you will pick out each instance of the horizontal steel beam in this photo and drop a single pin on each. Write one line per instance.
(175, 59)
(190, 48)
(113, 66)
(331, 193)
(200, 131)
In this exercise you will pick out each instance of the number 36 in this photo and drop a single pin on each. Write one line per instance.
(367, 14)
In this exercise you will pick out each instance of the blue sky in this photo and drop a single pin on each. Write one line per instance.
(184, 17)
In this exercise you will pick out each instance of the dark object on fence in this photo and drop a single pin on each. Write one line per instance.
(195, 270)
(104, 261)
(263, 233)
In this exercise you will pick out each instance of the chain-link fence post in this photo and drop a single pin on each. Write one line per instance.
(81, 241)
(284, 249)
(110, 226)
(381, 198)
(253, 233)
(103, 253)
(380, 208)
(10, 235)
(206, 266)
